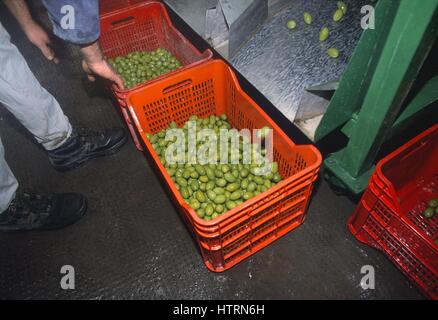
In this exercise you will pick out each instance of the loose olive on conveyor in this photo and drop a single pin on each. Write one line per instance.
(214, 189)
(338, 16)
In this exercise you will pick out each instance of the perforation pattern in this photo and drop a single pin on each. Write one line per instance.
(402, 257)
(428, 225)
(382, 212)
(203, 99)
(274, 234)
(299, 165)
(283, 219)
(232, 234)
(373, 228)
(231, 108)
(243, 244)
(246, 249)
(273, 213)
(287, 169)
(179, 105)
(263, 229)
(140, 36)
(247, 123)
(292, 211)
(409, 263)
(157, 115)
(293, 196)
(266, 213)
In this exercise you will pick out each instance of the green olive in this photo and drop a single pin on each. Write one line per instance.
(338, 15)
(324, 34)
(343, 6)
(291, 24)
(307, 18)
(433, 203)
(429, 213)
(333, 53)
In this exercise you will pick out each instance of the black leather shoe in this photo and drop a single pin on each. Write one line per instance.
(85, 145)
(34, 212)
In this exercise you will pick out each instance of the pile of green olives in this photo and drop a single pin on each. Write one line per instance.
(214, 189)
(141, 66)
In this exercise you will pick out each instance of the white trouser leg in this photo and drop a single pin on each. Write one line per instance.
(32, 105)
(8, 183)
(27, 100)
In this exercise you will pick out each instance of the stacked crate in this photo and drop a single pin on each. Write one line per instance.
(390, 214)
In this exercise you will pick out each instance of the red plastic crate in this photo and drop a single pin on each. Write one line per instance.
(145, 26)
(389, 216)
(212, 88)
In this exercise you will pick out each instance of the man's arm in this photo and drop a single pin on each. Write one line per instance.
(84, 33)
(34, 32)
(78, 22)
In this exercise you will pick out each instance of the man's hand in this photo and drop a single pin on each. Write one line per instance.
(104, 70)
(94, 63)
(39, 37)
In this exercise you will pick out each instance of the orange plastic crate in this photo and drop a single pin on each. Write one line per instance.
(133, 25)
(212, 88)
(145, 26)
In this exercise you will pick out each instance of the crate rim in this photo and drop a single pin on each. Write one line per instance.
(192, 214)
(129, 8)
(394, 154)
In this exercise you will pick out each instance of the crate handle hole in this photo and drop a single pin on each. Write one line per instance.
(177, 86)
(122, 22)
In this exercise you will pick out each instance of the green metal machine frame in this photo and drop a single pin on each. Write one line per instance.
(367, 107)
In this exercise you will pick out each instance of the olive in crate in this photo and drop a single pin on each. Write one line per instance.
(214, 189)
(140, 66)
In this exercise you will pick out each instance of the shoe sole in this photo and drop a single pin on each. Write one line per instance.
(116, 148)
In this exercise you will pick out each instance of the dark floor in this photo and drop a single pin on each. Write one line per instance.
(132, 243)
